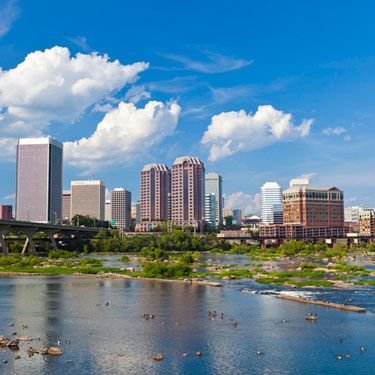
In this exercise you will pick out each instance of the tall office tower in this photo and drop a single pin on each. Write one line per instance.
(237, 216)
(187, 191)
(210, 209)
(213, 185)
(108, 210)
(271, 203)
(39, 179)
(155, 187)
(313, 206)
(6, 212)
(88, 198)
(66, 203)
(121, 208)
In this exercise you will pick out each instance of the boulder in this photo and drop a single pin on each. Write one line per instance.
(158, 357)
(13, 344)
(54, 350)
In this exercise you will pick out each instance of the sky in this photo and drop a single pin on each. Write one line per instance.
(258, 90)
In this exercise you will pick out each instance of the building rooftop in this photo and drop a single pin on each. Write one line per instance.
(158, 167)
(40, 141)
(189, 159)
(294, 189)
(87, 182)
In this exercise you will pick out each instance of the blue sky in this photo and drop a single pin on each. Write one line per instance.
(204, 68)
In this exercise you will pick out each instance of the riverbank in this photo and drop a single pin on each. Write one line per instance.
(115, 276)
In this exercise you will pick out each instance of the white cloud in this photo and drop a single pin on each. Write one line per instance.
(52, 85)
(215, 63)
(8, 149)
(81, 42)
(124, 134)
(231, 132)
(339, 130)
(10, 197)
(248, 203)
(9, 12)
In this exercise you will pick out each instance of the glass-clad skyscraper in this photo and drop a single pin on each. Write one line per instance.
(213, 185)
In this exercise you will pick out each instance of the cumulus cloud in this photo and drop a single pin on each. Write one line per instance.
(247, 202)
(339, 130)
(8, 149)
(52, 85)
(231, 132)
(126, 132)
(9, 12)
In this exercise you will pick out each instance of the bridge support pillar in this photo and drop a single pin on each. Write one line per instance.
(29, 243)
(3, 244)
(52, 238)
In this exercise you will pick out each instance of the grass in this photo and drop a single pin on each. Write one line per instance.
(365, 282)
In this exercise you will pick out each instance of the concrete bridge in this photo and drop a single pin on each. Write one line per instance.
(28, 229)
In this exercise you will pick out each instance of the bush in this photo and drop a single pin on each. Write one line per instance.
(61, 254)
(162, 271)
(9, 260)
(187, 258)
(90, 262)
(125, 259)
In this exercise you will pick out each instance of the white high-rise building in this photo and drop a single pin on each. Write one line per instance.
(272, 207)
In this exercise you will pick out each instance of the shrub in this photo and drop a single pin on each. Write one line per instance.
(161, 270)
(90, 262)
(59, 254)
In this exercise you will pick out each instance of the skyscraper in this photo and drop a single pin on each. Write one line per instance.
(271, 205)
(39, 179)
(187, 191)
(210, 209)
(66, 203)
(121, 208)
(155, 190)
(213, 185)
(108, 210)
(88, 198)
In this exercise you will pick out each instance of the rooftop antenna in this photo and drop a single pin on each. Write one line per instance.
(91, 176)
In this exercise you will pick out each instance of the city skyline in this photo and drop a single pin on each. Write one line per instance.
(177, 94)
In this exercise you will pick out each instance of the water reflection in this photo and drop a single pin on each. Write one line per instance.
(116, 339)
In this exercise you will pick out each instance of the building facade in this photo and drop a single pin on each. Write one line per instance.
(213, 185)
(108, 210)
(188, 191)
(121, 208)
(155, 193)
(313, 206)
(210, 209)
(39, 180)
(237, 216)
(367, 222)
(66, 206)
(88, 198)
(271, 203)
(6, 212)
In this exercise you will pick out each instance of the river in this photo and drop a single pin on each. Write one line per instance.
(116, 339)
